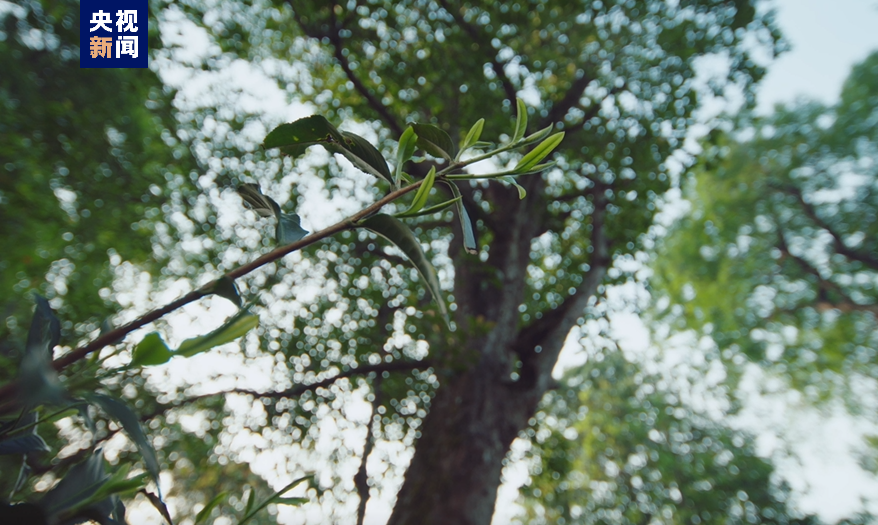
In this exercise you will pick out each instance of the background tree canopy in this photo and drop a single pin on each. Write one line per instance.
(123, 190)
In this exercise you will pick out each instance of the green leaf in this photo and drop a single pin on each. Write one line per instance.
(204, 513)
(38, 379)
(119, 483)
(434, 141)
(291, 501)
(275, 498)
(295, 137)
(23, 445)
(423, 192)
(540, 152)
(399, 234)
(225, 287)
(405, 149)
(466, 225)
(473, 136)
(431, 209)
(237, 326)
(520, 121)
(365, 156)
(77, 486)
(150, 351)
(521, 191)
(263, 205)
(288, 229)
(536, 137)
(130, 422)
(251, 501)
(159, 505)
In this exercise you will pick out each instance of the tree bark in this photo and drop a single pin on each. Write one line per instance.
(478, 411)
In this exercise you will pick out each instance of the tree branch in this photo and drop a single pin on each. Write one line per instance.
(570, 99)
(297, 390)
(840, 247)
(539, 344)
(117, 335)
(824, 284)
(361, 479)
(335, 39)
(478, 39)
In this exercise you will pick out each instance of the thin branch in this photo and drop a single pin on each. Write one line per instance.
(588, 114)
(478, 39)
(539, 344)
(361, 479)
(840, 247)
(570, 99)
(298, 390)
(361, 88)
(117, 335)
(335, 39)
(846, 307)
(824, 284)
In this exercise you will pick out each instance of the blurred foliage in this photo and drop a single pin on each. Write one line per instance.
(614, 445)
(777, 259)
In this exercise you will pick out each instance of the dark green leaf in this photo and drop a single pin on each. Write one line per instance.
(399, 234)
(405, 149)
(204, 513)
(23, 444)
(277, 497)
(119, 511)
(434, 141)
(294, 138)
(291, 501)
(238, 325)
(520, 120)
(251, 501)
(130, 422)
(39, 381)
(159, 505)
(23, 474)
(263, 205)
(365, 156)
(106, 497)
(288, 229)
(150, 351)
(225, 287)
(422, 194)
(466, 225)
(81, 481)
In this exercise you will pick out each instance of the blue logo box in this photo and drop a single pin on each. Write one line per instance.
(113, 33)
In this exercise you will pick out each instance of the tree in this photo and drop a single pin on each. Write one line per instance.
(777, 260)
(617, 77)
(615, 446)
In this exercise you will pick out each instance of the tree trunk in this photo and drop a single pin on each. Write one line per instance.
(455, 471)
(480, 409)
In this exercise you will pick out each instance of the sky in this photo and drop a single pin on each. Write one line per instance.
(827, 37)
